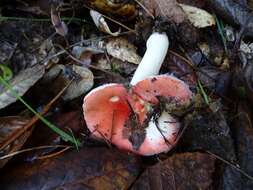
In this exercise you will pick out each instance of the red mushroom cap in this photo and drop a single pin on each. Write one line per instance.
(124, 118)
(162, 85)
(105, 108)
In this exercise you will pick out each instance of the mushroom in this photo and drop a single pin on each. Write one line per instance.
(139, 119)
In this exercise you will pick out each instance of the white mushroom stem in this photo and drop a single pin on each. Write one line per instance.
(157, 47)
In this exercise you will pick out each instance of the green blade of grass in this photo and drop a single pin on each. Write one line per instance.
(76, 141)
(202, 91)
(65, 136)
(220, 27)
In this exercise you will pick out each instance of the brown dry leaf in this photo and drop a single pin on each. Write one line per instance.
(47, 50)
(169, 9)
(101, 24)
(243, 133)
(88, 168)
(8, 127)
(59, 76)
(6, 51)
(123, 10)
(178, 67)
(114, 65)
(198, 17)
(59, 25)
(180, 171)
(20, 84)
(121, 49)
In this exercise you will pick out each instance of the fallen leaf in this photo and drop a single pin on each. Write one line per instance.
(234, 12)
(47, 50)
(81, 86)
(209, 131)
(248, 80)
(198, 17)
(20, 84)
(215, 79)
(119, 9)
(25, 46)
(121, 49)
(246, 52)
(9, 126)
(178, 67)
(61, 75)
(6, 51)
(114, 65)
(195, 3)
(243, 133)
(59, 25)
(101, 24)
(169, 9)
(88, 168)
(181, 171)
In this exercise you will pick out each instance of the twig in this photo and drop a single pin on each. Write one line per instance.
(31, 149)
(230, 164)
(53, 154)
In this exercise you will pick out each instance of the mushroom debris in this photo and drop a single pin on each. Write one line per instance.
(139, 119)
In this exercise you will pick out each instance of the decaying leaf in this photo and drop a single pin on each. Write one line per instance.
(213, 134)
(101, 23)
(62, 75)
(114, 65)
(9, 126)
(88, 168)
(180, 69)
(119, 9)
(81, 86)
(243, 134)
(85, 53)
(6, 51)
(180, 171)
(215, 79)
(169, 9)
(234, 12)
(46, 50)
(242, 83)
(59, 25)
(20, 84)
(198, 17)
(121, 49)
(246, 50)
